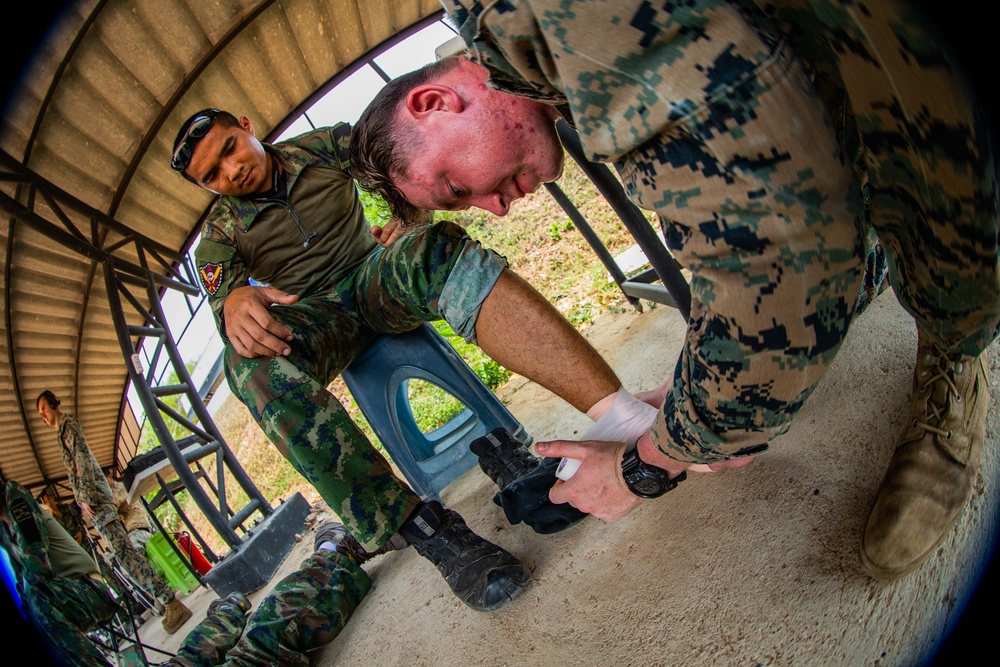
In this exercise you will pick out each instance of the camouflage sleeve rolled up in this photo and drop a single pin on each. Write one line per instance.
(29, 538)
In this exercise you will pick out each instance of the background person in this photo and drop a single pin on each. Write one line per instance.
(132, 515)
(93, 495)
(57, 580)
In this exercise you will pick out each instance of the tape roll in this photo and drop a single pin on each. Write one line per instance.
(567, 468)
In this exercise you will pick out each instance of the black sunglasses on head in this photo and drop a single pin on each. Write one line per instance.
(197, 129)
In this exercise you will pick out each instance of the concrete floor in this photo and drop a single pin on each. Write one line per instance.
(756, 566)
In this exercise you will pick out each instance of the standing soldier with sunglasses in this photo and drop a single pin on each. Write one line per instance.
(289, 216)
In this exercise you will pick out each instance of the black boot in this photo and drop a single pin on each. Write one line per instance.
(524, 483)
(481, 574)
(502, 458)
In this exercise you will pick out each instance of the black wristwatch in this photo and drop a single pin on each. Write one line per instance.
(644, 480)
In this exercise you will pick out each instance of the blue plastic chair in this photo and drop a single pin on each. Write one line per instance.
(378, 380)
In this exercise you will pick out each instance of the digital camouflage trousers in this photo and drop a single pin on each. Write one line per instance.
(773, 194)
(305, 610)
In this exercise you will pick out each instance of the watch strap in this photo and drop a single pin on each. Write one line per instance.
(632, 464)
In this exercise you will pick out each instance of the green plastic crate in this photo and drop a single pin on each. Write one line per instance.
(169, 565)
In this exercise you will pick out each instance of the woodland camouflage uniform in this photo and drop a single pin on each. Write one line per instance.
(306, 610)
(91, 487)
(317, 244)
(64, 603)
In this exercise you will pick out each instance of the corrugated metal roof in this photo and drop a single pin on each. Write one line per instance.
(95, 114)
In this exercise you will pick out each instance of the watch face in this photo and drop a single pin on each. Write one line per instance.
(648, 486)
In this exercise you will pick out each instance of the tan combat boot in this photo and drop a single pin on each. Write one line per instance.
(931, 474)
(175, 614)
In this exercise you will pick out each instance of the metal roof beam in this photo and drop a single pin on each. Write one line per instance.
(15, 171)
(171, 104)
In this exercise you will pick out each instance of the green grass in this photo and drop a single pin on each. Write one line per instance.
(432, 406)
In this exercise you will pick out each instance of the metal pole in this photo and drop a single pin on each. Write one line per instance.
(206, 550)
(177, 508)
(201, 410)
(591, 237)
(153, 413)
(663, 263)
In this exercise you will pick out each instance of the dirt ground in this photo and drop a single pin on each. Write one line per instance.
(756, 566)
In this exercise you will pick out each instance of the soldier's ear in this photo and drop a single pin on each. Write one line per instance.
(247, 125)
(431, 98)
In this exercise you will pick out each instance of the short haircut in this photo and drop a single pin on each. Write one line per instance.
(379, 150)
(222, 118)
(50, 398)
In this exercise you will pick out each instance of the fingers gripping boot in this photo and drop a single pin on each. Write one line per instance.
(482, 575)
(932, 471)
(524, 483)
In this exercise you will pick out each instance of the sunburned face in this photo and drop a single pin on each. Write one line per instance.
(231, 161)
(486, 157)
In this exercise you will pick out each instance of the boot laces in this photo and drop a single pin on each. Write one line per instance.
(938, 386)
(505, 459)
(513, 465)
(453, 546)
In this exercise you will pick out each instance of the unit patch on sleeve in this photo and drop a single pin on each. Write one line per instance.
(25, 520)
(211, 277)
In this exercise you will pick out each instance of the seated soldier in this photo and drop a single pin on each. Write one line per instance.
(132, 514)
(289, 216)
(57, 579)
(95, 500)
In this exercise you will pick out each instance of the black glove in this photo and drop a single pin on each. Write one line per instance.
(524, 483)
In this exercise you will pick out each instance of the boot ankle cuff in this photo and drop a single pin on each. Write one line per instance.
(424, 522)
(397, 542)
(493, 444)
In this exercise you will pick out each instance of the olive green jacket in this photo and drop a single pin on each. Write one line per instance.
(297, 246)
